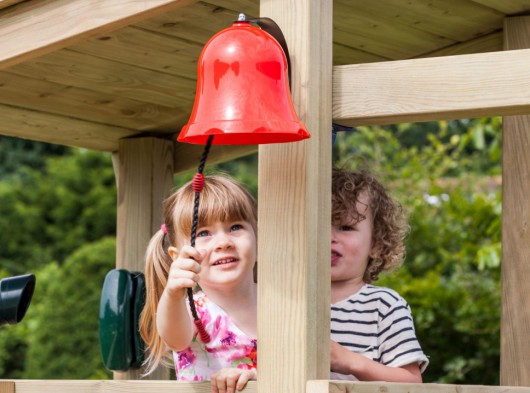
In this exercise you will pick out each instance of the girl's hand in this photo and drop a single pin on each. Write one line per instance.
(184, 271)
(227, 380)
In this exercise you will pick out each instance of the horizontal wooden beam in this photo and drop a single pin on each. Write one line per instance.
(321, 386)
(34, 28)
(99, 386)
(377, 387)
(85, 104)
(485, 43)
(437, 88)
(8, 3)
(46, 127)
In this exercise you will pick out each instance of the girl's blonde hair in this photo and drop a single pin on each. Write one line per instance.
(222, 199)
(390, 226)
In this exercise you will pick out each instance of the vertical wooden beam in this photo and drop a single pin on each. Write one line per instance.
(515, 318)
(295, 212)
(7, 387)
(145, 177)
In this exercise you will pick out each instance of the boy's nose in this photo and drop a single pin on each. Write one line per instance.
(333, 235)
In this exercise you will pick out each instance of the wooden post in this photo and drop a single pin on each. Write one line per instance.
(145, 177)
(7, 387)
(515, 319)
(295, 212)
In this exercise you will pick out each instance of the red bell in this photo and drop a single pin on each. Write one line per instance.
(243, 92)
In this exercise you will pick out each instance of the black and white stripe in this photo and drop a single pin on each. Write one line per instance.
(377, 322)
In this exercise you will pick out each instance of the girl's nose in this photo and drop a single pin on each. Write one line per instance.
(222, 240)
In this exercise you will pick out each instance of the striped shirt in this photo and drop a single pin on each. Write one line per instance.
(377, 323)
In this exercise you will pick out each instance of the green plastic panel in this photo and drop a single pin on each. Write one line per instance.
(138, 305)
(115, 330)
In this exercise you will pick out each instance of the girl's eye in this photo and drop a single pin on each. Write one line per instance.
(346, 228)
(236, 227)
(202, 233)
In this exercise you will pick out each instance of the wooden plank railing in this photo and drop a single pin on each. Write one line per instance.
(108, 386)
(385, 387)
(102, 386)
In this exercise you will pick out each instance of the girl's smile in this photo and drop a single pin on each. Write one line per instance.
(230, 252)
(225, 262)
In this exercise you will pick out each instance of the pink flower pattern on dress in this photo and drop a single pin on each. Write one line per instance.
(185, 358)
(229, 346)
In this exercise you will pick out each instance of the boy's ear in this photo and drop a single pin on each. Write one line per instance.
(173, 252)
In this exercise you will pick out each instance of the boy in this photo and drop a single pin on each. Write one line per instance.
(372, 331)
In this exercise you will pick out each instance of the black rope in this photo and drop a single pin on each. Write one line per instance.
(196, 219)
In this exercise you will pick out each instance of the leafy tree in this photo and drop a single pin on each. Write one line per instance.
(444, 173)
(244, 169)
(451, 276)
(13, 346)
(46, 214)
(63, 319)
(16, 153)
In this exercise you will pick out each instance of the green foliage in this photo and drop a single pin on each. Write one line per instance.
(63, 209)
(56, 209)
(16, 153)
(46, 214)
(63, 318)
(13, 347)
(451, 276)
(244, 169)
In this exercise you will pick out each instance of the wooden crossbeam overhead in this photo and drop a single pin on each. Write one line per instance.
(487, 43)
(45, 127)
(34, 28)
(8, 3)
(509, 7)
(437, 88)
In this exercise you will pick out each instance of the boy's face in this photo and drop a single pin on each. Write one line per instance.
(351, 245)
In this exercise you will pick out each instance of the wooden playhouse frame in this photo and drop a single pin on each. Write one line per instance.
(294, 181)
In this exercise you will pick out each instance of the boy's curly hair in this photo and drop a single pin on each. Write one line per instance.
(390, 225)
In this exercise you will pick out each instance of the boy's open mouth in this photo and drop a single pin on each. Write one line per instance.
(335, 257)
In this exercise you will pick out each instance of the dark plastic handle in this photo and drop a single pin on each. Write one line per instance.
(15, 296)
(271, 27)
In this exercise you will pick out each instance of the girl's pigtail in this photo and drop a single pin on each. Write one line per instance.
(158, 262)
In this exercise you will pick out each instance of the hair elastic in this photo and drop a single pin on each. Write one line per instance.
(163, 229)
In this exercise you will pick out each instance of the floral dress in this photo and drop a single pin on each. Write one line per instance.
(229, 347)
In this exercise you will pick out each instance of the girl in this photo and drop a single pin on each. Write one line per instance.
(222, 262)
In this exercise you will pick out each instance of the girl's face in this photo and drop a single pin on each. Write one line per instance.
(230, 249)
(351, 245)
